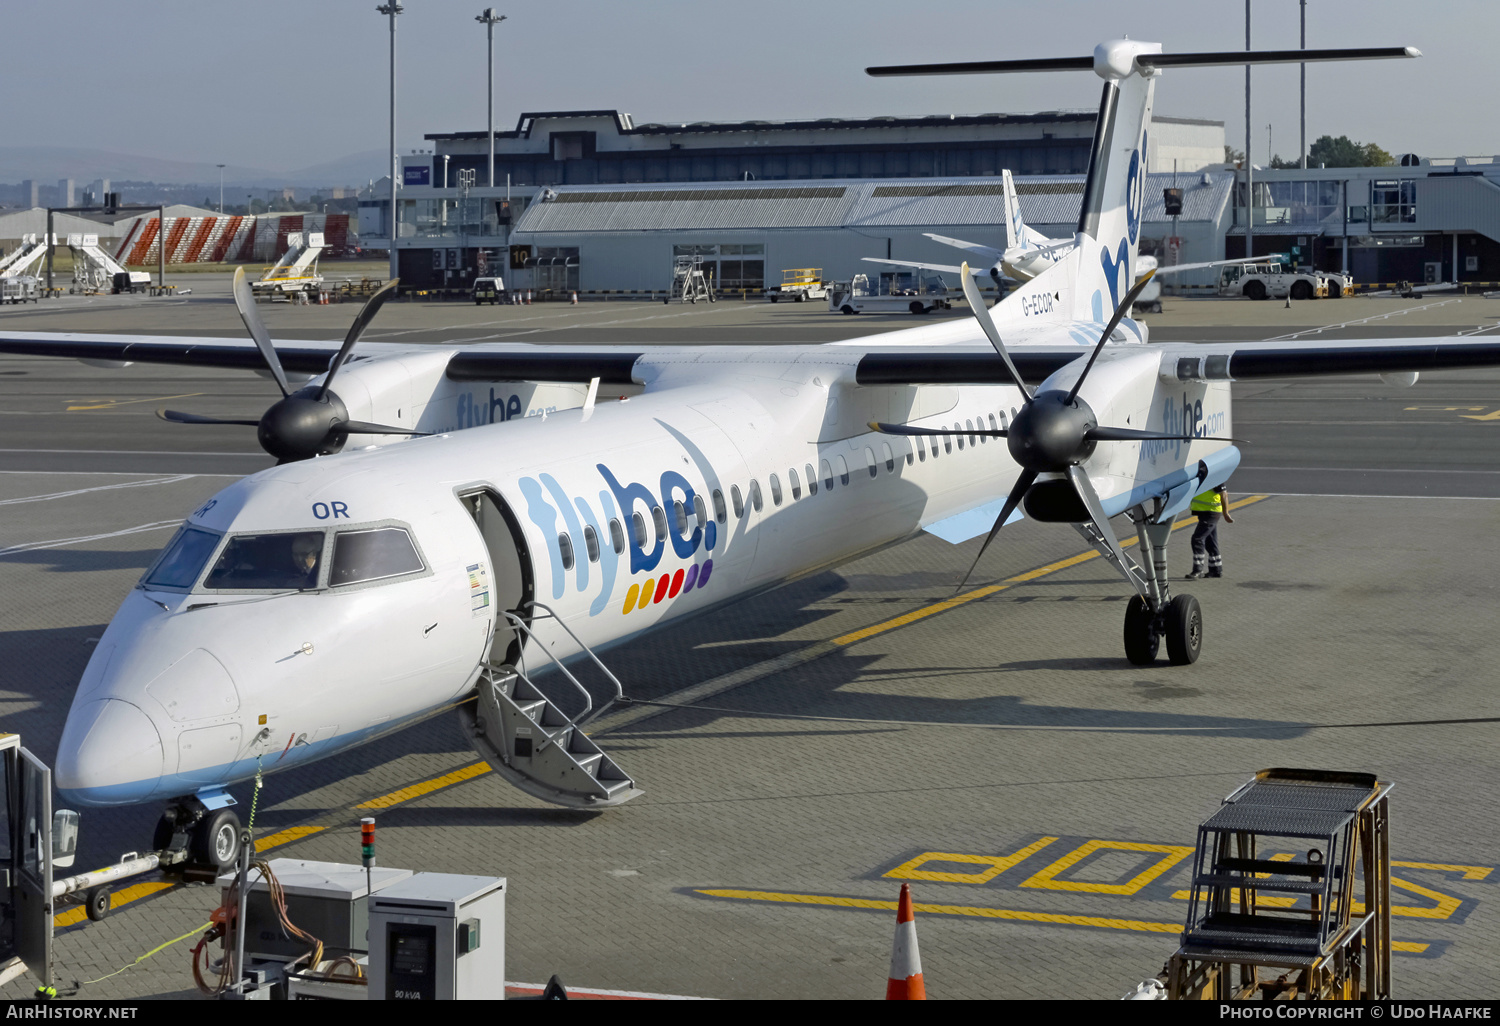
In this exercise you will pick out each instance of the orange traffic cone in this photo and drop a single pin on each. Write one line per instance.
(905, 983)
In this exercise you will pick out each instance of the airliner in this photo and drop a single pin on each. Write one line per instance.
(494, 520)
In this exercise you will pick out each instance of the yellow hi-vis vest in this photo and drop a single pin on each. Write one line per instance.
(1208, 502)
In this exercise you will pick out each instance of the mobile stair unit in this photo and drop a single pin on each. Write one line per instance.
(297, 270)
(529, 741)
(1291, 893)
(689, 284)
(20, 260)
(94, 270)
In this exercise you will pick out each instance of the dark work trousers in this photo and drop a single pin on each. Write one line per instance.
(1206, 543)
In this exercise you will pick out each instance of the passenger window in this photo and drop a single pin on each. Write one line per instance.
(843, 470)
(659, 516)
(183, 559)
(372, 556)
(921, 448)
(565, 544)
(269, 561)
(993, 425)
(1012, 414)
(679, 517)
(1004, 424)
(720, 513)
(812, 480)
(827, 474)
(639, 523)
(739, 502)
(796, 483)
(960, 427)
(911, 457)
(870, 461)
(972, 439)
(591, 542)
(617, 536)
(755, 499)
(775, 490)
(947, 445)
(890, 458)
(700, 510)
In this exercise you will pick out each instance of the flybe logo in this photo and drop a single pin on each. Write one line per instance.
(1188, 418)
(673, 517)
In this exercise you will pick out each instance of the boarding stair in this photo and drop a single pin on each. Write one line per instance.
(531, 742)
(689, 284)
(20, 260)
(297, 270)
(94, 270)
(1266, 920)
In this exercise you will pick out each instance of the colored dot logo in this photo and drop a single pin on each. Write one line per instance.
(652, 591)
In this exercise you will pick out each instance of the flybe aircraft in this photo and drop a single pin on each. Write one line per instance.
(496, 520)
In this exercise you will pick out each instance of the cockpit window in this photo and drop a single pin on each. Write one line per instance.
(384, 552)
(269, 561)
(183, 559)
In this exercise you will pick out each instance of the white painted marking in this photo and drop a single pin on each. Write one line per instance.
(98, 488)
(59, 542)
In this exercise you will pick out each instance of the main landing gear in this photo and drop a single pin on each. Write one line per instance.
(1153, 615)
(210, 837)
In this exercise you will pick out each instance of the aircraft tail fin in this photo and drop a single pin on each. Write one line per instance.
(1015, 228)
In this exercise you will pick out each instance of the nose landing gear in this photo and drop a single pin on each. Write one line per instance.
(210, 838)
(1153, 615)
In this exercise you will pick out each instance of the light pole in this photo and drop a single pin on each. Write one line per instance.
(489, 19)
(1249, 174)
(221, 189)
(1303, 138)
(390, 10)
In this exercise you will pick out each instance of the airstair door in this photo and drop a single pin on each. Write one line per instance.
(30, 809)
(511, 582)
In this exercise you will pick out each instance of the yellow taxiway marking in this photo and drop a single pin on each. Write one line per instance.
(1045, 878)
(1469, 872)
(1444, 409)
(123, 896)
(286, 836)
(109, 404)
(976, 911)
(1488, 416)
(406, 794)
(1051, 568)
(994, 865)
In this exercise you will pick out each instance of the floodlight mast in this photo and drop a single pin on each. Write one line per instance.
(390, 10)
(489, 19)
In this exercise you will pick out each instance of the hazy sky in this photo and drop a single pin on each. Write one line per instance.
(283, 84)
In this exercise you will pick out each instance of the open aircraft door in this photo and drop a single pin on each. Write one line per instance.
(26, 888)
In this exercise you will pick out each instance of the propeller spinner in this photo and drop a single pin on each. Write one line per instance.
(312, 421)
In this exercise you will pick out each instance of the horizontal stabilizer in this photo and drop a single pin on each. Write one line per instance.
(1152, 60)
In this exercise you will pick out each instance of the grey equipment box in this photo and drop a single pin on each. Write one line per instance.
(325, 899)
(438, 936)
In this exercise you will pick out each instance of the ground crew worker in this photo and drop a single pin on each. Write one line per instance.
(1209, 508)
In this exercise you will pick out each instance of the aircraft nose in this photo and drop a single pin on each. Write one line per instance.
(110, 754)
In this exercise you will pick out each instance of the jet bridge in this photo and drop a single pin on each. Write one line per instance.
(297, 270)
(20, 260)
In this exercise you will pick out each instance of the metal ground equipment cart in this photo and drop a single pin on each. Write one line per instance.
(1274, 911)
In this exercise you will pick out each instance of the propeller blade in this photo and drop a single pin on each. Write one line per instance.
(1114, 321)
(366, 315)
(907, 429)
(1115, 434)
(244, 302)
(1017, 493)
(360, 427)
(982, 315)
(193, 418)
(1085, 489)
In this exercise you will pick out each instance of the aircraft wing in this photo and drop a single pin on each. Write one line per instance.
(300, 357)
(1189, 361)
(978, 272)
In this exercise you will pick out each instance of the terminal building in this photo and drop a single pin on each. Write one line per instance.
(590, 201)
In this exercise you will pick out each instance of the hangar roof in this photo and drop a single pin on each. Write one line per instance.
(1045, 200)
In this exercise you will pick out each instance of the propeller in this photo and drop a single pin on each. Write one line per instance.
(312, 421)
(1054, 432)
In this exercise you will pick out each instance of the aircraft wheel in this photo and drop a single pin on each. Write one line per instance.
(216, 841)
(1141, 639)
(1184, 630)
(96, 903)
